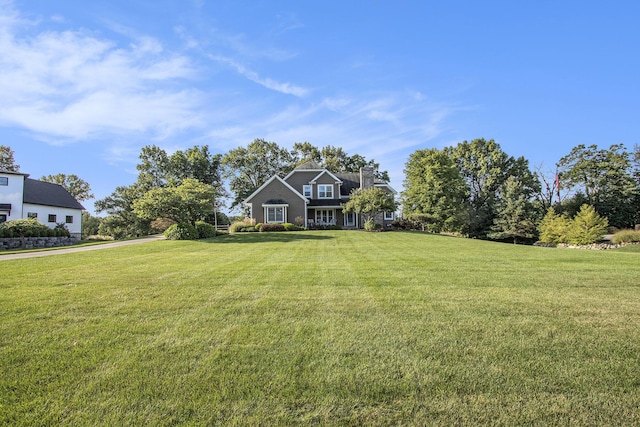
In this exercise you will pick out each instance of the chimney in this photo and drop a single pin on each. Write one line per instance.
(366, 177)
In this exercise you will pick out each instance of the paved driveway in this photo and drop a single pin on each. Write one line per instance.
(70, 250)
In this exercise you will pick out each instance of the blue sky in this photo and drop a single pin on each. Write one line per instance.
(86, 84)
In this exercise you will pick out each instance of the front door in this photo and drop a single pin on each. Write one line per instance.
(350, 219)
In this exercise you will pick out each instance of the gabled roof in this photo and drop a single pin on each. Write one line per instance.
(327, 172)
(48, 194)
(269, 181)
(306, 167)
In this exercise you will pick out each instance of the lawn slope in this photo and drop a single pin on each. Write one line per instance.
(331, 327)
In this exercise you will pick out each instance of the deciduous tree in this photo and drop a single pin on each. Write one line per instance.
(335, 159)
(369, 203)
(122, 221)
(76, 186)
(605, 177)
(247, 168)
(7, 162)
(90, 224)
(158, 170)
(485, 168)
(186, 203)
(434, 191)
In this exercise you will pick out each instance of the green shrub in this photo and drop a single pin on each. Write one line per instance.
(5, 232)
(292, 227)
(62, 230)
(240, 226)
(26, 228)
(258, 225)
(587, 227)
(181, 232)
(371, 225)
(205, 230)
(626, 236)
(271, 227)
(123, 226)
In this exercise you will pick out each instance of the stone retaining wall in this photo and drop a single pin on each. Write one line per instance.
(594, 246)
(36, 242)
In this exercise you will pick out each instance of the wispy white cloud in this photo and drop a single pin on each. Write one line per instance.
(72, 85)
(68, 86)
(374, 125)
(286, 88)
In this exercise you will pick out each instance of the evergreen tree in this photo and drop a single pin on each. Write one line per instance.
(515, 213)
(554, 228)
(587, 227)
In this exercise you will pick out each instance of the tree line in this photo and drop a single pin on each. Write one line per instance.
(477, 190)
(473, 189)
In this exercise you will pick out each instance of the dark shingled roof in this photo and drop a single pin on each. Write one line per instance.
(48, 194)
(350, 181)
(310, 165)
(324, 202)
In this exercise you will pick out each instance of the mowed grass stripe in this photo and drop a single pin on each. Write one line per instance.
(321, 327)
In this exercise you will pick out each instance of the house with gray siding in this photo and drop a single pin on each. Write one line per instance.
(312, 196)
(22, 197)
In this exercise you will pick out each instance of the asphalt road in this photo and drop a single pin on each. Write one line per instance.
(70, 250)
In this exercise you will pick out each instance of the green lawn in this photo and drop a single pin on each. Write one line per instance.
(328, 328)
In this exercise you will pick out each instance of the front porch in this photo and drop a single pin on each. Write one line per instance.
(320, 217)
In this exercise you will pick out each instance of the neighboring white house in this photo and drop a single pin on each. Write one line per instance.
(22, 197)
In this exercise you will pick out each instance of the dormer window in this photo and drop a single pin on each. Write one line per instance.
(306, 191)
(325, 191)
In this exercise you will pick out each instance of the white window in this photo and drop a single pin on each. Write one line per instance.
(32, 215)
(4, 180)
(325, 191)
(389, 216)
(275, 214)
(306, 191)
(325, 216)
